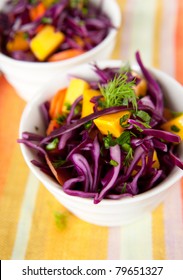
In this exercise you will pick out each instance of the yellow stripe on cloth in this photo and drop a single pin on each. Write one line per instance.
(76, 240)
(157, 32)
(10, 202)
(117, 50)
(158, 233)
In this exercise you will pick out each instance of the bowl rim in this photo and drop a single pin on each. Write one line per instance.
(74, 60)
(56, 188)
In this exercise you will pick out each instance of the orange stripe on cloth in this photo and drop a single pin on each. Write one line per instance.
(179, 43)
(157, 33)
(158, 235)
(11, 107)
(77, 240)
(10, 202)
(13, 170)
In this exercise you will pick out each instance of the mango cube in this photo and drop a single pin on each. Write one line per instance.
(174, 125)
(141, 88)
(46, 42)
(111, 123)
(87, 108)
(74, 90)
(19, 43)
(156, 163)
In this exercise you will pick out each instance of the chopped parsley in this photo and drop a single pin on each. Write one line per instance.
(68, 106)
(88, 125)
(60, 119)
(46, 20)
(144, 116)
(124, 141)
(175, 128)
(60, 219)
(59, 162)
(109, 141)
(123, 120)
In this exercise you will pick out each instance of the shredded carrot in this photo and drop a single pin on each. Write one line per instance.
(167, 114)
(79, 41)
(60, 175)
(39, 28)
(37, 11)
(52, 125)
(57, 103)
(65, 55)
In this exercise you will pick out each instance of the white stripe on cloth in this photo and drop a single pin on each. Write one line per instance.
(136, 240)
(139, 30)
(174, 223)
(25, 219)
(167, 38)
(138, 34)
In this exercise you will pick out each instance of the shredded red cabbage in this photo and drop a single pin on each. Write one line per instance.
(99, 166)
(83, 20)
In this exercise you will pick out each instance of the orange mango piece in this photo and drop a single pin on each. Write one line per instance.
(19, 43)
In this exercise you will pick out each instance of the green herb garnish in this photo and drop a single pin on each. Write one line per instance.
(68, 106)
(175, 128)
(124, 138)
(88, 125)
(176, 114)
(59, 162)
(52, 145)
(46, 20)
(119, 92)
(125, 68)
(124, 141)
(26, 35)
(113, 163)
(145, 117)
(33, 2)
(123, 190)
(79, 4)
(123, 120)
(60, 119)
(109, 141)
(60, 219)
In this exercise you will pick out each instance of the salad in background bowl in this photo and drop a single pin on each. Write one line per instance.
(108, 142)
(41, 38)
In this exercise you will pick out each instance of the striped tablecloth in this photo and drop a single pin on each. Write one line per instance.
(28, 227)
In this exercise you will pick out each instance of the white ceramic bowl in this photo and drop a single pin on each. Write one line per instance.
(27, 77)
(107, 212)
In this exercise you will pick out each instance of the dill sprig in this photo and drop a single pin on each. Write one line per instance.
(119, 91)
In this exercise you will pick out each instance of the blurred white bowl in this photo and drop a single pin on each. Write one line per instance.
(27, 77)
(107, 212)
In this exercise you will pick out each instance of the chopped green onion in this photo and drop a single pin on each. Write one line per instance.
(113, 163)
(52, 145)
